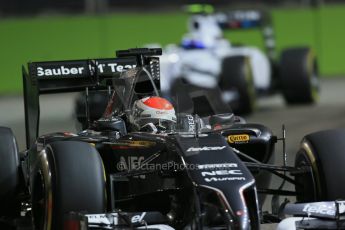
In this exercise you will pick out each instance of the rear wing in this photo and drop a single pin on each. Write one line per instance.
(243, 19)
(76, 76)
(250, 19)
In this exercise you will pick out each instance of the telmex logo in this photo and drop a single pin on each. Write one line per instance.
(324, 210)
(205, 148)
(238, 138)
(138, 218)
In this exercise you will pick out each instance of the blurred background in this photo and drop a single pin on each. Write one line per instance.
(36, 30)
(43, 30)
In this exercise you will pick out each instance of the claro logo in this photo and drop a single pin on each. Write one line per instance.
(138, 218)
(206, 148)
(238, 138)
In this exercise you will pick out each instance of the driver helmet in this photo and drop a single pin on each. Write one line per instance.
(204, 33)
(153, 111)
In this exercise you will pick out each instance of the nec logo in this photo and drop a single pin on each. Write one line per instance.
(206, 148)
(222, 173)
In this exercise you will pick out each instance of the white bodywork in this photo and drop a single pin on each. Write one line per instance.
(202, 66)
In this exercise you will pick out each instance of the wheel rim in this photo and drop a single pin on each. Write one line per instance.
(314, 79)
(39, 202)
(315, 85)
(42, 198)
(308, 180)
(311, 161)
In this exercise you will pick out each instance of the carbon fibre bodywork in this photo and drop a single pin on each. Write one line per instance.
(206, 179)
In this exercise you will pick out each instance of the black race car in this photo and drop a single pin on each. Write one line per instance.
(210, 170)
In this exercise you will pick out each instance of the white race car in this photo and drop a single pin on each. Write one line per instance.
(206, 59)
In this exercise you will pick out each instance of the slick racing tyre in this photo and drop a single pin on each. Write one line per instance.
(97, 103)
(9, 172)
(236, 79)
(299, 76)
(68, 177)
(324, 152)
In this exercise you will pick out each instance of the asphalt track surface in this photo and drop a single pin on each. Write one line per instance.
(329, 113)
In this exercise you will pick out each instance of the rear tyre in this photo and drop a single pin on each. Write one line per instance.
(9, 172)
(299, 76)
(237, 77)
(97, 103)
(324, 152)
(68, 177)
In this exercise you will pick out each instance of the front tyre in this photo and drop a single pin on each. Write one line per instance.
(68, 177)
(299, 76)
(9, 172)
(98, 101)
(324, 152)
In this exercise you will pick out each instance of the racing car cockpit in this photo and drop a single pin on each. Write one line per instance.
(135, 101)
